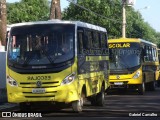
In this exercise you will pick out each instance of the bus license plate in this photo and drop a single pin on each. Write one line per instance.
(118, 83)
(38, 90)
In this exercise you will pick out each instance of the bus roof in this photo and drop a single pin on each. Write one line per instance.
(131, 40)
(55, 21)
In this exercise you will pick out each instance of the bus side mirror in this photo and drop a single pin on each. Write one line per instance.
(6, 46)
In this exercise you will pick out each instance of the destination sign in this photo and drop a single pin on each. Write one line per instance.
(39, 78)
(119, 45)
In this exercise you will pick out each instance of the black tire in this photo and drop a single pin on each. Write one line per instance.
(141, 88)
(78, 104)
(93, 101)
(158, 83)
(100, 98)
(152, 86)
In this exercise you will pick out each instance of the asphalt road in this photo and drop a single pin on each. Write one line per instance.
(118, 104)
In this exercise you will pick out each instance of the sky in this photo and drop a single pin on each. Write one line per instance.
(150, 15)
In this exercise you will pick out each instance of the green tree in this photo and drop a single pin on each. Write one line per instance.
(157, 36)
(102, 8)
(27, 10)
(112, 10)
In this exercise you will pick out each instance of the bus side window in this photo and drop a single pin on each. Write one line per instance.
(80, 41)
(153, 54)
(90, 39)
(150, 54)
(156, 54)
(103, 41)
(86, 41)
(96, 42)
(106, 40)
(145, 52)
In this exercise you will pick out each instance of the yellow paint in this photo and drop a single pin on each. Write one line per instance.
(128, 78)
(119, 45)
(59, 93)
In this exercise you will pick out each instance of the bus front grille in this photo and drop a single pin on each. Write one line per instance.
(39, 96)
(43, 84)
(29, 94)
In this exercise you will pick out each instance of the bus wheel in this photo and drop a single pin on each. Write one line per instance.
(152, 85)
(100, 97)
(158, 83)
(78, 104)
(24, 107)
(93, 100)
(141, 88)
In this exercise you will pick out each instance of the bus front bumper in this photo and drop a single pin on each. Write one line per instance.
(127, 83)
(59, 94)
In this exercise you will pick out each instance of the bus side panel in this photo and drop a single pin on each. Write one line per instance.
(94, 70)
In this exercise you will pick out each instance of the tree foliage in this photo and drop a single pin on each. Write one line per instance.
(27, 10)
(102, 8)
(106, 13)
(136, 27)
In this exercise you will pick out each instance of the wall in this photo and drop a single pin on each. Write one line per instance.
(3, 96)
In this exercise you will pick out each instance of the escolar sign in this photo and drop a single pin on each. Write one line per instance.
(119, 45)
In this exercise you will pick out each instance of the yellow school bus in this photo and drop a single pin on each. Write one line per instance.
(133, 64)
(39, 70)
(158, 82)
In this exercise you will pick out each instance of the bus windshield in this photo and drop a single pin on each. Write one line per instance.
(124, 56)
(41, 44)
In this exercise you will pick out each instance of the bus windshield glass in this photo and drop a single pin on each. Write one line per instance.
(124, 56)
(41, 44)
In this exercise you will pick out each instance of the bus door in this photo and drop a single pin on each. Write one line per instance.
(84, 64)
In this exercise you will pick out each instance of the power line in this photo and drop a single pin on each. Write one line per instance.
(117, 21)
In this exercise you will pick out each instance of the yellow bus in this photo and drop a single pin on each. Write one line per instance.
(158, 82)
(133, 64)
(57, 62)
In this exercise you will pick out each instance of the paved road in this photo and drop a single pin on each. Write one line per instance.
(118, 104)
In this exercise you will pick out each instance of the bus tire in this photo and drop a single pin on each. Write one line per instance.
(100, 97)
(93, 100)
(158, 83)
(141, 88)
(78, 104)
(152, 86)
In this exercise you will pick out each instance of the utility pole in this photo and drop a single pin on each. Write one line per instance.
(55, 12)
(123, 18)
(3, 20)
(124, 4)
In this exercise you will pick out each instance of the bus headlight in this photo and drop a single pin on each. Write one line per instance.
(136, 75)
(11, 81)
(70, 78)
